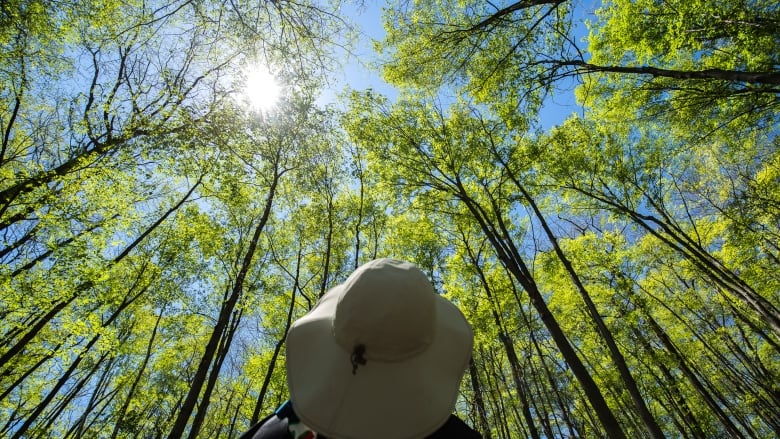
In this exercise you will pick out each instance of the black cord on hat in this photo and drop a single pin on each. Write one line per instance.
(357, 358)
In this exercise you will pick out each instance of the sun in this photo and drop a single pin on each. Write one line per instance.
(261, 90)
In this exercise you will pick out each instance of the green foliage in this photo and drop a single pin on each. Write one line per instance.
(728, 37)
(492, 53)
(145, 213)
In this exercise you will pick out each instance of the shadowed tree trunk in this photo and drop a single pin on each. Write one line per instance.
(63, 303)
(228, 306)
(484, 427)
(138, 375)
(205, 400)
(279, 343)
(499, 237)
(617, 357)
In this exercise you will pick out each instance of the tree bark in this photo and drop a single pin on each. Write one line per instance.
(137, 379)
(499, 237)
(190, 401)
(617, 357)
(205, 400)
(63, 303)
(479, 400)
(770, 78)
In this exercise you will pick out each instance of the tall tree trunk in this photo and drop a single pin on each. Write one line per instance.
(29, 371)
(328, 248)
(500, 238)
(29, 234)
(498, 384)
(190, 401)
(137, 379)
(679, 241)
(32, 417)
(557, 397)
(679, 403)
(233, 427)
(360, 175)
(15, 112)
(693, 379)
(8, 195)
(359, 225)
(74, 366)
(484, 427)
(59, 245)
(615, 354)
(17, 347)
(78, 427)
(617, 357)
(278, 347)
(222, 352)
(509, 348)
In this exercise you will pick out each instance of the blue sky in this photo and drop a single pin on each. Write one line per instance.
(358, 73)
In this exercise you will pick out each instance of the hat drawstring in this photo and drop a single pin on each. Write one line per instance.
(357, 357)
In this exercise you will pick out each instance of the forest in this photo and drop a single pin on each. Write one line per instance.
(621, 268)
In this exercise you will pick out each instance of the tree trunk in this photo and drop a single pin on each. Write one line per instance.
(328, 249)
(499, 237)
(63, 303)
(708, 265)
(66, 376)
(59, 245)
(695, 382)
(484, 427)
(19, 242)
(29, 371)
(679, 403)
(79, 426)
(617, 357)
(53, 392)
(277, 348)
(137, 379)
(769, 78)
(509, 348)
(190, 401)
(222, 352)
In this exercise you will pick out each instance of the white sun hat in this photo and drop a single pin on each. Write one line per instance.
(381, 356)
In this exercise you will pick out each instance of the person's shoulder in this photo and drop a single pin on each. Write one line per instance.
(272, 427)
(455, 428)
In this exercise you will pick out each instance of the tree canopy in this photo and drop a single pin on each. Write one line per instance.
(158, 237)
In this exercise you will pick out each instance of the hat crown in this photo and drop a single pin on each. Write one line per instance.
(388, 307)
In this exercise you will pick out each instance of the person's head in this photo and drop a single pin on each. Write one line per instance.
(380, 356)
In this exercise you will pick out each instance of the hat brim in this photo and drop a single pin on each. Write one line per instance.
(383, 400)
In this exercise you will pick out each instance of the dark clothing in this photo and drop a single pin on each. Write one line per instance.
(275, 427)
(272, 427)
(455, 428)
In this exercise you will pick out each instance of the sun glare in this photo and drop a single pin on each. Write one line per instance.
(262, 91)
